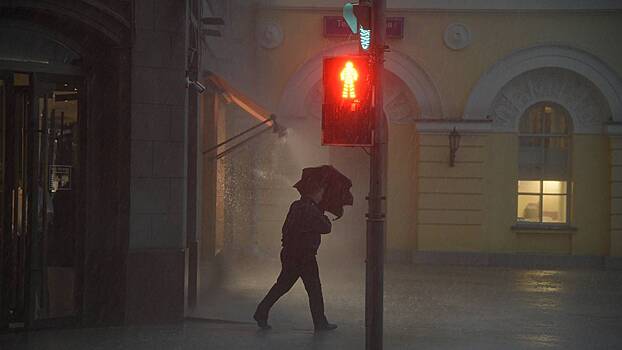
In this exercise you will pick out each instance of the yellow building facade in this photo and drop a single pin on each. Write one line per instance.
(535, 94)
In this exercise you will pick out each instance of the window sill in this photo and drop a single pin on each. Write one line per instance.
(544, 228)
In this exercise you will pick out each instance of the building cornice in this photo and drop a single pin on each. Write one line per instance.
(484, 127)
(614, 129)
(471, 126)
(477, 6)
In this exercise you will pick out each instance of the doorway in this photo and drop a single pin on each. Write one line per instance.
(40, 221)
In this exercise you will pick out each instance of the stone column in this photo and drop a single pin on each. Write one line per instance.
(156, 259)
(615, 150)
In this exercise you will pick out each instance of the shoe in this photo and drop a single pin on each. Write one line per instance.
(261, 322)
(325, 327)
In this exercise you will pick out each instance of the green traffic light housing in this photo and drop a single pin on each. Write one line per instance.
(358, 18)
(350, 17)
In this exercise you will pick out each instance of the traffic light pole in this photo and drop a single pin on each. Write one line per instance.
(374, 270)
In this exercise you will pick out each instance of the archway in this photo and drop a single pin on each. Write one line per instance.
(590, 68)
(74, 55)
(584, 101)
(293, 100)
(589, 91)
(409, 94)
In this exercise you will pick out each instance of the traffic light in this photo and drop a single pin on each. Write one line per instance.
(347, 108)
(358, 17)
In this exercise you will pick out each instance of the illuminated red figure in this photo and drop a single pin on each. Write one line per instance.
(349, 75)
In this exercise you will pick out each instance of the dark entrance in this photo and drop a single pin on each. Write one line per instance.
(40, 217)
(64, 216)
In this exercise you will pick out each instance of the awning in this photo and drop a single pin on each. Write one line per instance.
(256, 111)
(237, 97)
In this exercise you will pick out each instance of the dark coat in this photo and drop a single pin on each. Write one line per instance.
(303, 227)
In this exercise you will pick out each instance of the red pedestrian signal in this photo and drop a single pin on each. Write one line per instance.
(347, 109)
(349, 75)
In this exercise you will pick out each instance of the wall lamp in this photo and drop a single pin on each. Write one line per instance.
(454, 144)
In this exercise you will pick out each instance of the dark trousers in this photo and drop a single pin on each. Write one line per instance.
(293, 267)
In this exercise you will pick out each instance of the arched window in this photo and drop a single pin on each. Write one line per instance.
(544, 165)
(29, 44)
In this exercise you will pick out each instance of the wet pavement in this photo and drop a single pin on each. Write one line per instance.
(426, 307)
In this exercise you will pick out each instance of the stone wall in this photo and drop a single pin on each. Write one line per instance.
(158, 162)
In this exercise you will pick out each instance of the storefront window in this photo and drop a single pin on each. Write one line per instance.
(544, 165)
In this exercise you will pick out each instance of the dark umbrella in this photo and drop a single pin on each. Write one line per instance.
(336, 191)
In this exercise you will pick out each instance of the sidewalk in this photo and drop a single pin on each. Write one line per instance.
(442, 307)
(426, 307)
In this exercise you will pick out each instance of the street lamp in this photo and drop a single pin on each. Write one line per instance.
(454, 143)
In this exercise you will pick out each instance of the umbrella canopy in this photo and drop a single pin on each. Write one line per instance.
(336, 187)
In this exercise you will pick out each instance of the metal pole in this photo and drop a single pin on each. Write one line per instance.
(232, 148)
(240, 134)
(376, 218)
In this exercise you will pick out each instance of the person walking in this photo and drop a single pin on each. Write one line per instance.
(302, 230)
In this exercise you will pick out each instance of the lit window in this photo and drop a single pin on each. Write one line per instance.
(544, 163)
(542, 201)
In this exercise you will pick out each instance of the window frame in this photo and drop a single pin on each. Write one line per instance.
(567, 178)
(541, 194)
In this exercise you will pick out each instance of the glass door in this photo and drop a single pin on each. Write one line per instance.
(55, 276)
(16, 103)
(3, 241)
(5, 204)
(40, 238)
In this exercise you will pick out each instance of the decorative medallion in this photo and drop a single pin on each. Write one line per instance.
(457, 36)
(269, 35)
